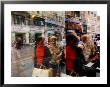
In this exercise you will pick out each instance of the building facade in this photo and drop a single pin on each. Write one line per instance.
(89, 20)
(28, 25)
(19, 25)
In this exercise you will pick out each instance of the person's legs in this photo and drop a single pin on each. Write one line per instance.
(54, 69)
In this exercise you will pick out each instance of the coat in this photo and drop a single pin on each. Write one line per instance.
(46, 59)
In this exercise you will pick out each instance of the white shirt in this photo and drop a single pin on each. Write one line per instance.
(98, 43)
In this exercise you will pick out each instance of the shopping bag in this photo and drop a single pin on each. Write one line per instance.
(37, 72)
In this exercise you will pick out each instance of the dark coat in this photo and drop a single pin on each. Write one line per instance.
(79, 62)
(46, 59)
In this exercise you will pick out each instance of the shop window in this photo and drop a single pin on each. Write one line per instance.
(77, 13)
(72, 13)
(39, 21)
(37, 12)
(88, 12)
(94, 15)
(84, 28)
(37, 35)
(19, 19)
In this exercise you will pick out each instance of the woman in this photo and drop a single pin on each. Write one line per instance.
(56, 55)
(70, 54)
(42, 54)
(89, 48)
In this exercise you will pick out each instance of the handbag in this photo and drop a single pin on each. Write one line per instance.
(38, 72)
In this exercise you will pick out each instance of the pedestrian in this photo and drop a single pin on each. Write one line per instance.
(56, 55)
(42, 54)
(89, 48)
(15, 60)
(70, 54)
(19, 43)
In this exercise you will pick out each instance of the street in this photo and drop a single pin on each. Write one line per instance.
(26, 62)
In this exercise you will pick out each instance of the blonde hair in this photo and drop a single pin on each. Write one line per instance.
(52, 37)
(85, 38)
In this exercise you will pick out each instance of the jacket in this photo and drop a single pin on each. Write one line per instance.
(46, 59)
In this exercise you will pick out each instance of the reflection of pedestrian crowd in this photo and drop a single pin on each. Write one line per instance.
(70, 59)
(15, 57)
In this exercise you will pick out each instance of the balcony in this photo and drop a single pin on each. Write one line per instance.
(20, 28)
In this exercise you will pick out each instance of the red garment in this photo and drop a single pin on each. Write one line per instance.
(39, 54)
(70, 58)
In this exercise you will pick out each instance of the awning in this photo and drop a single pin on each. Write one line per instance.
(52, 32)
(72, 20)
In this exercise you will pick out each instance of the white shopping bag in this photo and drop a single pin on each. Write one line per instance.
(37, 72)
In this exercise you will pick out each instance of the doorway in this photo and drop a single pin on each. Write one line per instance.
(37, 35)
(21, 36)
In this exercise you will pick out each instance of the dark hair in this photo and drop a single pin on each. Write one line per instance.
(70, 37)
(38, 40)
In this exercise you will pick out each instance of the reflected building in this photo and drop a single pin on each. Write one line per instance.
(89, 20)
(20, 25)
(28, 25)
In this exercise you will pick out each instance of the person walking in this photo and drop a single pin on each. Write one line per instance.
(15, 59)
(42, 54)
(56, 55)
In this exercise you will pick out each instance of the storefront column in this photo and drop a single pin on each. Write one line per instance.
(43, 33)
(27, 38)
(12, 36)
